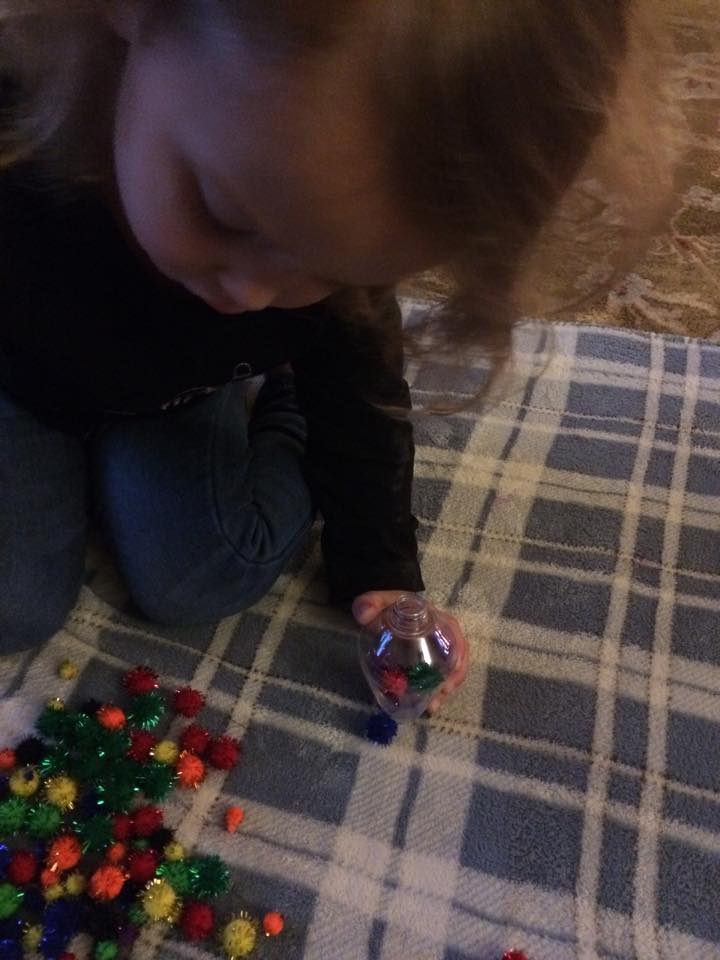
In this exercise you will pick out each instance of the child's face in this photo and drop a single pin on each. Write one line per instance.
(255, 184)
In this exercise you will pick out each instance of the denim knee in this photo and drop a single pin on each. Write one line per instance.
(24, 625)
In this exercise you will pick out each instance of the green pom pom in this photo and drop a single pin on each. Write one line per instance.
(10, 900)
(117, 793)
(13, 813)
(95, 740)
(43, 821)
(209, 876)
(177, 873)
(424, 677)
(95, 833)
(56, 724)
(137, 915)
(157, 780)
(146, 710)
(56, 760)
(106, 950)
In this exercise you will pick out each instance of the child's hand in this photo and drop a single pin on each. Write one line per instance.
(370, 605)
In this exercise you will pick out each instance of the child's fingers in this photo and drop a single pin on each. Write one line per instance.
(370, 605)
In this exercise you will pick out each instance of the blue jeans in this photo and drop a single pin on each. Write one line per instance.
(202, 507)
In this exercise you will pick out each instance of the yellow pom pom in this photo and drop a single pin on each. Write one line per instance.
(54, 891)
(160, 902)
(61, 792)
(165, 752)
(174, 851)
(239, 936)
(56, 704)
(75, 884)
(24, 782)
(68, 670)
(32, 937)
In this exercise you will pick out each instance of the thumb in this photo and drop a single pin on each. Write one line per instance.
(369, 605)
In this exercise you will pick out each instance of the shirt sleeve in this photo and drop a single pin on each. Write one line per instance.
(360, 456)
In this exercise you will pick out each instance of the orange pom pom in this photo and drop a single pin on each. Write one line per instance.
(190, 769)
(111, 717)
(7, 759)
(64, 853)
(273, 923)
(106, 883)
(234, 816)
(116, 853)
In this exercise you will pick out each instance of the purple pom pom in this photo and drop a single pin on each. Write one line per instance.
(381, 728)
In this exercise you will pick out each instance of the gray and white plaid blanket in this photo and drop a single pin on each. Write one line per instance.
(567, 802)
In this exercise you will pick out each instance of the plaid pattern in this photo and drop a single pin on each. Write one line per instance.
(567, 801)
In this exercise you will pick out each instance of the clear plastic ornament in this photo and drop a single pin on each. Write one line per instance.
(406, 654)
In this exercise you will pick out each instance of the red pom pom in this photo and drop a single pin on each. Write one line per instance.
(197, 920)
(194, 738)
(223, 753)
(147, 820)
(141, 743)
(22, 868)
(66, 956)
(122, 827)
(7, 759)
(141, 865)
(188, 702)
(394, 682)
(514, 955)
(140, 680)
(190, 770)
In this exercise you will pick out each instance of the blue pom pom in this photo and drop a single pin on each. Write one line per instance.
(11, 950)
(381, 728)
(11, 928)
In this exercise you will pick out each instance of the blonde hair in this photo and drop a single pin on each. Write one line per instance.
(501, 117)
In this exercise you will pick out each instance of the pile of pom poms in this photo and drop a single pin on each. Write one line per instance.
(83, 844)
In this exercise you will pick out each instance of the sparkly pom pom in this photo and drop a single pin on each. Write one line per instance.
(11, 950)
(190, 770)
(394, 682)
(223, 753)
(514, 955)
(32, 937)
(95, 833)
(160, 902)
(239, 937)
(141, 865)
(177, 874)
(381, 729)
(61, 792)
(116, 852)
(197, 920)
(157, 780)
(43, 821)
(67, 956)
(194, 738)
(7, 759)
(273, 923)
(209, 876)
(75, 884)
(64, 853)
(54, 891)
(234, 816)
(147, 819)
(188, 702)
(111, 717)
(147, 710)
(140, 680)
(166, 751)
(22, 868)
(10, 900)
(24, 782)
(122, 826)
(68, 670)
(424, 677)
(141, 743)
(106, 882)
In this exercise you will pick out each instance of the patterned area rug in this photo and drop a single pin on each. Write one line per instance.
(567, 802)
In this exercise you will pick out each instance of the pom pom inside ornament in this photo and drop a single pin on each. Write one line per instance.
(406, 654)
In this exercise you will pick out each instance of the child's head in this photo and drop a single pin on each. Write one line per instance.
(269, 152)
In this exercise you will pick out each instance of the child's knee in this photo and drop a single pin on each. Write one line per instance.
(32, 625)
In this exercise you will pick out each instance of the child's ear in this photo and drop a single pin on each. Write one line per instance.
(123, 17)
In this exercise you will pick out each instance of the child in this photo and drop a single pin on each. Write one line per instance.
(203, 191)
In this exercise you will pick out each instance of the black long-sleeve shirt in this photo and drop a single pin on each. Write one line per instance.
(89, 330)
